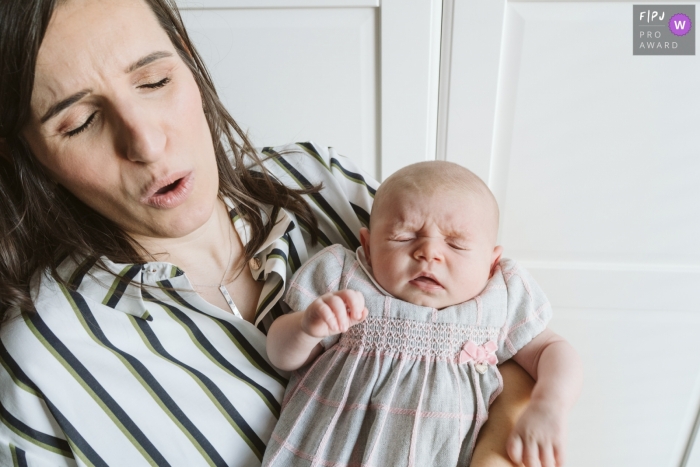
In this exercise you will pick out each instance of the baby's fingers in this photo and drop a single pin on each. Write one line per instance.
(340, 312)
(326, 313)
(355, 304)
(515, 449)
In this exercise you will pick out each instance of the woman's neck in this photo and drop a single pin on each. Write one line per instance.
(211, 256)
(204, 254)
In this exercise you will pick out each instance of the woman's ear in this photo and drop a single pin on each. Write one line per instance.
(495, 258)
(364, 241)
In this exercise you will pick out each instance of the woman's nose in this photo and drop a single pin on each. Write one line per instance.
(140, 135)
(428, 249)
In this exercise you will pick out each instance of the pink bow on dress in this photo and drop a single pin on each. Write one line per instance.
(479, 354)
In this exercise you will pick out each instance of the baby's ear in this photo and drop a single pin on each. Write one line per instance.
(364, 241)
(495, 258)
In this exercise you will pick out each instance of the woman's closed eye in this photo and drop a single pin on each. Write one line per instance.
(82, 127)
(88, 122)
(156, 85)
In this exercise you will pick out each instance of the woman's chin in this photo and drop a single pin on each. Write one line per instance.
(188, 219)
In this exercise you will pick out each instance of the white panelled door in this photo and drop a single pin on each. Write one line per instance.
(352, 74)
(594, 156)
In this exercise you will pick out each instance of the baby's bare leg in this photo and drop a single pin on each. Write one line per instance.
(490, 448)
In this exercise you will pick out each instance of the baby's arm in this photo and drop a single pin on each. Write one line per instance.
(294, 339)
(539, 435)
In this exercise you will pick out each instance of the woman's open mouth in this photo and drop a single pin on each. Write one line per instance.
(169, 192)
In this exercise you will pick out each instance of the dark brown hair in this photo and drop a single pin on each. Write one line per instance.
(42, 223)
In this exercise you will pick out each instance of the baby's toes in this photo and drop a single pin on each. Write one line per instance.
(547, 456)
(515, 449)
(531, 453)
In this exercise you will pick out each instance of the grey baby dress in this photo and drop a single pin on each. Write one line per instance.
(409, 386)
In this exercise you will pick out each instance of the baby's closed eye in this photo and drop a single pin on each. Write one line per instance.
(401, 238)
(456, 244)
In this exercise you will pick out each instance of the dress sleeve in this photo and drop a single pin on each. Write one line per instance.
(528, 310)
(320, 275)
(29, 433)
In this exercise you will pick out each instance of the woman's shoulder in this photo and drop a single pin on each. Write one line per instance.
(48, 297)
(307, 163)
(56, 301)
(23, 334)
(307, 153)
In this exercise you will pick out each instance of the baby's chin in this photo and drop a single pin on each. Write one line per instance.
(432, 300)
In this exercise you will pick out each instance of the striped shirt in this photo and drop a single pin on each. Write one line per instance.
(108, 374)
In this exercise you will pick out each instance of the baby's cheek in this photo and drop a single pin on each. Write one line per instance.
(386, 277)
(468, 283)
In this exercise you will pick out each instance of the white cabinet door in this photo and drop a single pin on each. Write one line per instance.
(594, 156)
(354, 74)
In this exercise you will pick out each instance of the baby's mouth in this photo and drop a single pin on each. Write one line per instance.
(426, 281)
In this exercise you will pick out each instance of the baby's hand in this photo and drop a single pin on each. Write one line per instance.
(538, 437)
(333, 313)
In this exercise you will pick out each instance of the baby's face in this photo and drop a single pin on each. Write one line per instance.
(433, 251)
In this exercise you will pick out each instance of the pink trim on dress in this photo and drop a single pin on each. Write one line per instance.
(334, 420)
(304, 291)
(337, 256)
(387, 306)
(386, 413)
(333, 284)
(416, 420)
(306, 405)
(348, 276)
(479, 309)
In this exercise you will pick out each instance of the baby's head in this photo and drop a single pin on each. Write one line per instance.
(432, 234)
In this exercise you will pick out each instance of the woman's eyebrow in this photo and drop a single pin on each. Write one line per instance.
(67, 102)
(64, 104)
(143, 61)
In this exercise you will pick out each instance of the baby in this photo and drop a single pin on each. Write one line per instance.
(427, 309)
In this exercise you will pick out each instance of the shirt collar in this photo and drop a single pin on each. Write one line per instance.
(121, 286)
(244, 230)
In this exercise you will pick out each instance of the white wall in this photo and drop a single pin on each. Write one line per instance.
(592, 152)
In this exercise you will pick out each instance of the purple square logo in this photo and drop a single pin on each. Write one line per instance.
(663, 29)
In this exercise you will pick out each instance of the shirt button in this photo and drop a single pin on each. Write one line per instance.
(255, 263)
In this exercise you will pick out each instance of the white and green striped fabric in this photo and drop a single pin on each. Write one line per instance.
(107, 374)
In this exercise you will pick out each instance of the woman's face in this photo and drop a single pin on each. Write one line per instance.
(117, 119)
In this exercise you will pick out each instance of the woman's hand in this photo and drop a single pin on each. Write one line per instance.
(333, 313)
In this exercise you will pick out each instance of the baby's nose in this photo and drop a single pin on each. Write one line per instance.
(429, 250)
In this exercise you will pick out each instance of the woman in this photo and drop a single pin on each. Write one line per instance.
(117, 163)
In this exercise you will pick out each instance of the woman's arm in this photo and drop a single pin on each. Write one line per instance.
(490, 448)
(29, 432)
